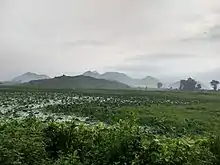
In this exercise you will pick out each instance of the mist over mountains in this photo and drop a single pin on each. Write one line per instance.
(27, 77)
(150, 82)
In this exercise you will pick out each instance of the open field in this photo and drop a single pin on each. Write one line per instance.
(108, 127)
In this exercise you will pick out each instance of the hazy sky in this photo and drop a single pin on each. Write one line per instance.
(138, 37)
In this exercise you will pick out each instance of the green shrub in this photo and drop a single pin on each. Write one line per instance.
(33, 142)
(21, 142)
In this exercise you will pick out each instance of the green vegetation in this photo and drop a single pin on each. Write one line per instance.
(214, 84)
(189, 85)
(102, 127)
(67, 82)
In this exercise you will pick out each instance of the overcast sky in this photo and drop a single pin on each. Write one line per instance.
(138, 37)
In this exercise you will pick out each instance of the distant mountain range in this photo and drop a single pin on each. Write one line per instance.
(117, 77)
(81, 82)
(148, 81)
(27, 77)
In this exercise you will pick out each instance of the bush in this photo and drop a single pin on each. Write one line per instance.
(21, 142)
(32, 142)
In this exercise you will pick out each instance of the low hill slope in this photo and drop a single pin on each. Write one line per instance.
(82, 82)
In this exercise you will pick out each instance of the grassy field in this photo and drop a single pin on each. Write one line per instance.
(63, 127)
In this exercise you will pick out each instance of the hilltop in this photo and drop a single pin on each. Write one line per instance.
(27, 77)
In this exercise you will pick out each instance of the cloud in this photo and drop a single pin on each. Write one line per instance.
(53, 36)
(205, 27)
(215, 32)
(82, 43)
(209, 35)
(167, 65)
(163, 56)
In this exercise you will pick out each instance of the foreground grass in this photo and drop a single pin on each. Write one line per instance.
(131, 127)
(35, 142)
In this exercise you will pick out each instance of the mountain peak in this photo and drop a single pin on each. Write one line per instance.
(94, 74)
(29, 76)
(149, 77)
(149, 81)
(29, 73)
(115, 74)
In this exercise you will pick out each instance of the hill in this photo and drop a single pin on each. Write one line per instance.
(27, 77)
(120, 77)
(81, 82)
(148, 81)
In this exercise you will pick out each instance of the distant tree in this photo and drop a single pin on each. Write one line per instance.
(146, 88)
(182, 84)
(198, 86)
(189, 84)
(214, 84)
(159, 85)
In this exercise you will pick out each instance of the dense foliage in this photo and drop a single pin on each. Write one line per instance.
(33, 142)
(109, 127)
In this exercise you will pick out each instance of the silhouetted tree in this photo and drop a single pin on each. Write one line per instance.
(189, 84)
(198, 86)
(159, 85)
(214, 84)
(182, 84)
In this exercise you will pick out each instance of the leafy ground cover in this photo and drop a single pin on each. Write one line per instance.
(59, 127)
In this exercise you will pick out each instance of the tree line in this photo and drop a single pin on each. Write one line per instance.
(191, 84)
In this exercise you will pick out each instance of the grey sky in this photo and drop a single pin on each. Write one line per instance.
(71, 36)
